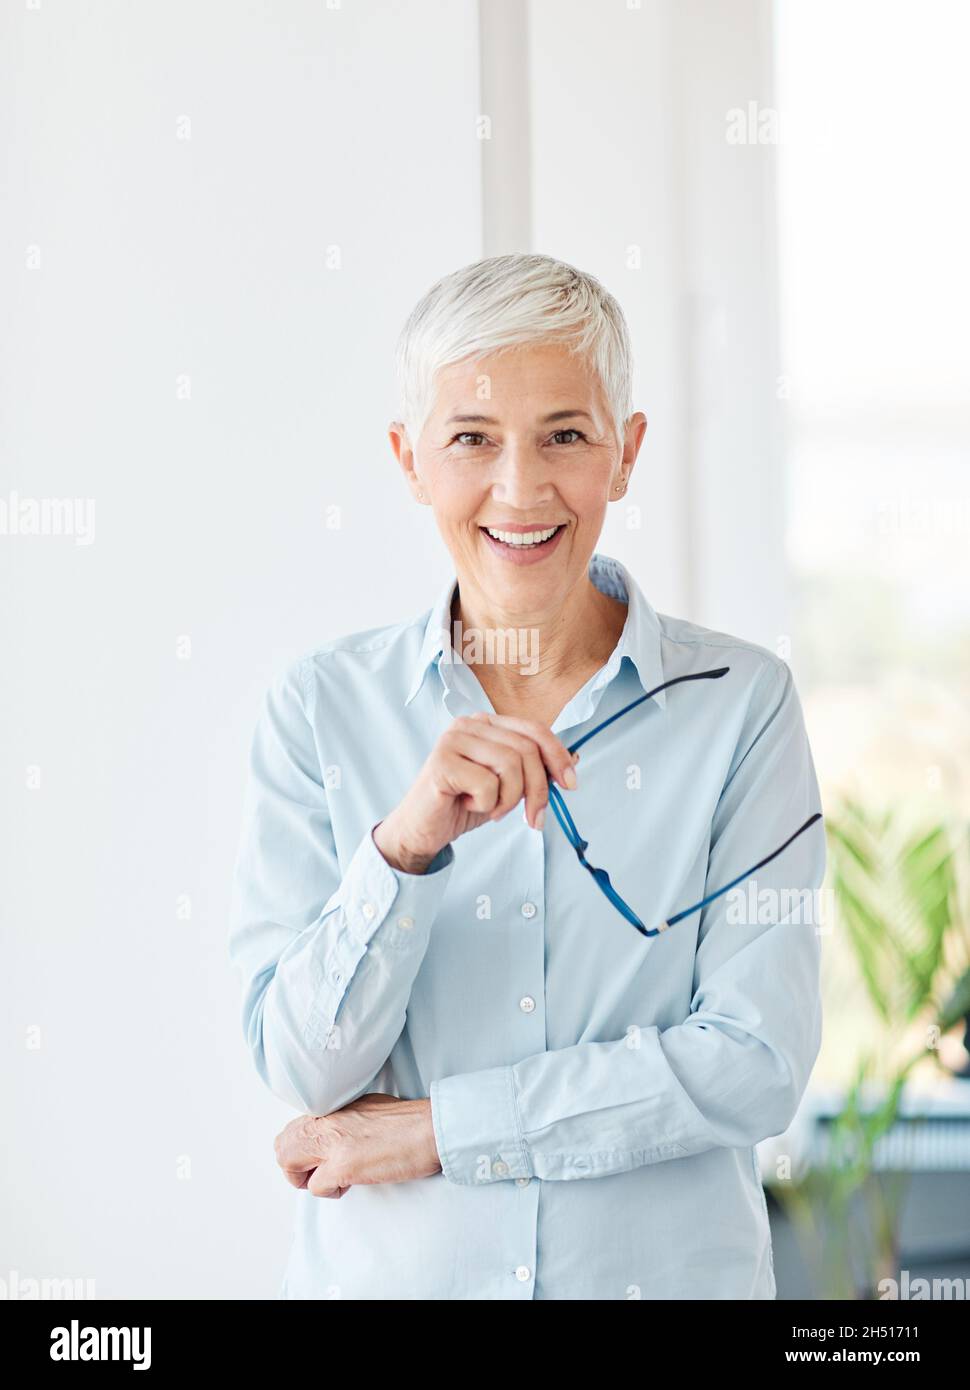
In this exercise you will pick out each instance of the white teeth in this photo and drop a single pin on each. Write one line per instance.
(522, 537)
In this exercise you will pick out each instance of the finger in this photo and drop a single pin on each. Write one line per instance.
(334, 1192)
(535, 778)
(459, 776)
(501, 758)
(555, 754)
(297, 1177)
(298, 1145)
(322, 1184)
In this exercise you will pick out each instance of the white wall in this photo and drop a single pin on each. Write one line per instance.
(630, 150)
(162, 259)
(309, 127)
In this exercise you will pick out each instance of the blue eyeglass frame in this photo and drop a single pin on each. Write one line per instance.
(600, 876)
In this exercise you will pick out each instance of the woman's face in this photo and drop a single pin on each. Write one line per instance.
(520, 442)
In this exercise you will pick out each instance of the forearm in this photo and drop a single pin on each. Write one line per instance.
(729, 1076)
(322, 1025)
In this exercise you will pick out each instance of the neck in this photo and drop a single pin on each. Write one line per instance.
(535, 652)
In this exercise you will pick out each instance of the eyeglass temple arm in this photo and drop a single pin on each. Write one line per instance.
(696, 676)
(566, 821)
(555, 796)
(580, 845)
(678, 916)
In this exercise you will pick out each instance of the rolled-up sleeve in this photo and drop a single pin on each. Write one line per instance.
(733, 1072)
(327, 956)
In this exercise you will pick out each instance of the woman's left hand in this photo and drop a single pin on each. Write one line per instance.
(376, 1138)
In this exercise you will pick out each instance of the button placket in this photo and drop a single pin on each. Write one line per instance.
(531, 913)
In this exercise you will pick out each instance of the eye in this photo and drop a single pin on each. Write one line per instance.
(578, 433)
(464, 438)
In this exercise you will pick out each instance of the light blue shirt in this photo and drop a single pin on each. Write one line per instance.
(596, 1096)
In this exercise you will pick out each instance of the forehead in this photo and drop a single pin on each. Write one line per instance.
(519, 377)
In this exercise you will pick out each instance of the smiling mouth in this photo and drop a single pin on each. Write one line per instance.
(524, 540)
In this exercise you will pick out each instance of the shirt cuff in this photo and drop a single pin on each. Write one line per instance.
(371, 888)
(476, 1128)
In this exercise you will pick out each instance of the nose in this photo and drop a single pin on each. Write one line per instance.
(521, 480)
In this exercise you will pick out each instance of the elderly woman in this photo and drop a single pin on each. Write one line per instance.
(526, 1071)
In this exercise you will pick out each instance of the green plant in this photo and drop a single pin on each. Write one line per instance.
(901, 900)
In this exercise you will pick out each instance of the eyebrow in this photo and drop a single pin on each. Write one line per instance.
(489, 420)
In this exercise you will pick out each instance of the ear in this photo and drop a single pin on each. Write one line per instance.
(401, 444)
(636, 428)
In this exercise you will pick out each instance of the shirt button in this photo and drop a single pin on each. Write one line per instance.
(522, 1182)
(500, 1168)
(406, 922)
(336, 976)
(528, 909)
(523, 1273)
(527, 1004)
(368, 910)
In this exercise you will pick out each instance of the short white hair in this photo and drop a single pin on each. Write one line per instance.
(505, 302)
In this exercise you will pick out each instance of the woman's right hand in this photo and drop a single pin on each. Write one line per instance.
(482, 766)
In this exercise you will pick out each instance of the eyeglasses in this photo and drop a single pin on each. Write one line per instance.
(600, 876)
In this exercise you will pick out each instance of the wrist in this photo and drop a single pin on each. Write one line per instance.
(395, 852)
(428, 1137)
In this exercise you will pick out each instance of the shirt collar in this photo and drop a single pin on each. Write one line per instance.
(639, 640)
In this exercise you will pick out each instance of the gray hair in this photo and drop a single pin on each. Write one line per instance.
(504, 302)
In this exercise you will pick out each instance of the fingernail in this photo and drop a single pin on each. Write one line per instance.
(541, 818)
(569, 777)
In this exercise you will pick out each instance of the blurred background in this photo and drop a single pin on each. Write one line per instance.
(216, 216)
